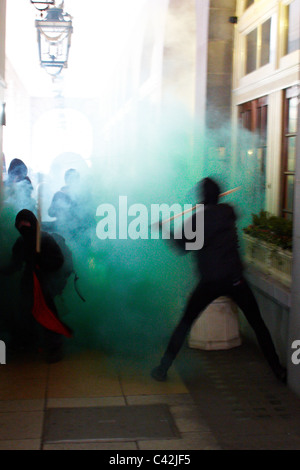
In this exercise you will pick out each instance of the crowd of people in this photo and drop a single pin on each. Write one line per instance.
(38, 253)
(68, 208)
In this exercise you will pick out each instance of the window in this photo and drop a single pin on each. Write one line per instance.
(289, 150)
(254, 117)
(251, 48)
(258, 47)
(265, 42)
(292, 30)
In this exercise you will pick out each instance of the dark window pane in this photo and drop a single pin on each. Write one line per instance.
(293, 111)
(265, 42)
(251, 43)
(246, 119)
(289, 149)
(291, 154)
(289, 192)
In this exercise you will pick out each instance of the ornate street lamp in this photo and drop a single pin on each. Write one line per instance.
(41, 6)
(54, 39)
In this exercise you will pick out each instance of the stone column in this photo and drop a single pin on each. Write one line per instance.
(219, 62)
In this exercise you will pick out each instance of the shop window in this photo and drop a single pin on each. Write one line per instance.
(292, 30)
(289, 150)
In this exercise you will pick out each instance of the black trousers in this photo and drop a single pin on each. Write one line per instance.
(202, 296)
(26, 331)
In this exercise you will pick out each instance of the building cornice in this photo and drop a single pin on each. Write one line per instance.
(277, 81)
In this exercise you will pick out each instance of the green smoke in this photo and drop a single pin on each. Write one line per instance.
(135, 290)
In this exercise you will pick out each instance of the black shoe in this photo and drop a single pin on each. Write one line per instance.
(281, 374)
(159, 373)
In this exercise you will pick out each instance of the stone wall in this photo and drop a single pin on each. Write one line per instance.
(219, 61)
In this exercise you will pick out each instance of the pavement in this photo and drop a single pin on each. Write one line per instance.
(212, 400)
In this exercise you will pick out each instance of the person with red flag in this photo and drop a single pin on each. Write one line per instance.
(38, 323)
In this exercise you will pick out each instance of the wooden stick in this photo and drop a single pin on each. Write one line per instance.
(194, 207)
(39, 219)
(38, 236)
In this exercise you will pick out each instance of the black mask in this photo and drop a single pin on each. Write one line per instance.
(27, 232)
(26, 223)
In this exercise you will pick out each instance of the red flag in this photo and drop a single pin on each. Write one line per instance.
(43, 314)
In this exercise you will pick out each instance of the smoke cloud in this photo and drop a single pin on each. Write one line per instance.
(134, 290)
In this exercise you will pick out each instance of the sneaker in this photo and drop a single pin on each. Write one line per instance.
(159, 374)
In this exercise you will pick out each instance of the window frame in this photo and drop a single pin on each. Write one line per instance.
(289, 93)
(258, 58)
(256, 114)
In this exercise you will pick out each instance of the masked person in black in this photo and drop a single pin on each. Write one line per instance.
(17, 171)
(70, 208)
(18, 189)
(221, 272)
(38, 324)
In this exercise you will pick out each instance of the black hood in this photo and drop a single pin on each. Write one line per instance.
(17, 170)
(210, 191)
(26, 224)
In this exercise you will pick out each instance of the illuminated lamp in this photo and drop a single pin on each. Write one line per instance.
(54, 39)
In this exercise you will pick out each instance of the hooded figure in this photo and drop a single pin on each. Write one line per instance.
(38, 320)
(17, 171)
(65, 211)
(221, 274)
(210, 191)
(219, 257)
(69, 207)
(50, 257)
(18, 187)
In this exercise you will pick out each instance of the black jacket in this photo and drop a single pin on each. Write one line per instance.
(219, 258)
(24, 255)
(48, 260)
